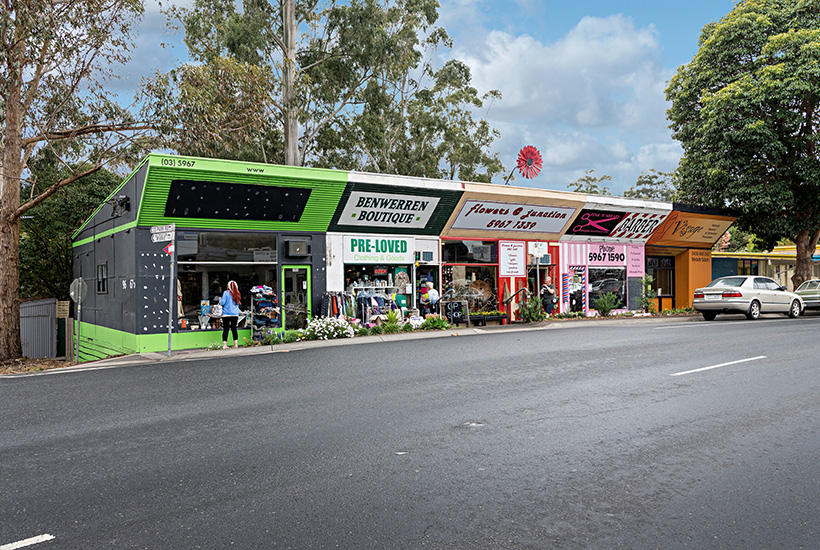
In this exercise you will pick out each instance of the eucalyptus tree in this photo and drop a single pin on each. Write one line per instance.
(654, 185)
(339, 84)
(55, 56)
(304, 65)
(411, 127)
(747, 111)
(590, 183)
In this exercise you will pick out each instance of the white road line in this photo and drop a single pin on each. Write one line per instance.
(709, 368)
(27, 542)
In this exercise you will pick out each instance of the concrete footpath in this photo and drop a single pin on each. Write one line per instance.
(200, 354)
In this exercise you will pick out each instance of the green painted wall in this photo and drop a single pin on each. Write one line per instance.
(97, 342)
(326, 187)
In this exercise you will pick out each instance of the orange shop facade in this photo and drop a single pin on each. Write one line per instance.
(679, 253)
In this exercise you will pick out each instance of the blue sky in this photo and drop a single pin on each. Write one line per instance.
(581, 81)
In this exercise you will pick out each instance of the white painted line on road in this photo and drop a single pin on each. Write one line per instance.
(27, 542)
(709, 368)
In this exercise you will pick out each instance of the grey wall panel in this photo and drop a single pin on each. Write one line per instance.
(152, 284)
(38, 328)
(107, 217)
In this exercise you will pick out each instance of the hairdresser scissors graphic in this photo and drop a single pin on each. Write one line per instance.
(595, 224)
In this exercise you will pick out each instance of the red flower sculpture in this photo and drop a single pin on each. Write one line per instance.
(529, 162)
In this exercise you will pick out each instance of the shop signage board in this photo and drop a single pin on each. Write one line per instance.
(635, 261)
(606, 254)
(513, 259)
(370, 209)
(516, 217)
(690, 230)
(595, 223)
(637, 225)
(378, 250)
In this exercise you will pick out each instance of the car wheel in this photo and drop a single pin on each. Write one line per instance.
(795, 310)
(754, 310)
(709, 315)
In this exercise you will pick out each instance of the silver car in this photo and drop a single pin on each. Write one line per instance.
(748, 294)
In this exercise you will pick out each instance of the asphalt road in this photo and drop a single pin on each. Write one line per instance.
(580, 435)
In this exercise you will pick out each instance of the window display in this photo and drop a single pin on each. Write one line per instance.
(603, 280)
(474, 284)
(469, 252)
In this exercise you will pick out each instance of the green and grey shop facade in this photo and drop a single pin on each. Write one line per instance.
(263, 226)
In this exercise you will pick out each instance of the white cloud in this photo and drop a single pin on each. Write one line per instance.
(592, 100)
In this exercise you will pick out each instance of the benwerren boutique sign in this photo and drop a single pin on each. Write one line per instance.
(388, 210)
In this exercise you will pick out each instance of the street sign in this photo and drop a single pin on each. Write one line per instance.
(162, 228)
(78, 290)
(169, 249)
(162, 237)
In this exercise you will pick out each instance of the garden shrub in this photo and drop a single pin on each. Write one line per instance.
(328, 328)
(435, 323)
(606, 303)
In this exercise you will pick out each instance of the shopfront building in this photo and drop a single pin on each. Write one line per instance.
(178, 229)
(496, 247)
(678, 254)
(602, 252)
(383, 242)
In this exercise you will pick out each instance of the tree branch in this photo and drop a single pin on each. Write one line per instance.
(96, 128)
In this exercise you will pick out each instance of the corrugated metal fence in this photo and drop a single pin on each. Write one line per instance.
(38, 328)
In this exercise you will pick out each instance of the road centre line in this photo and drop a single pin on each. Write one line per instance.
(709, 368)
(27, 542)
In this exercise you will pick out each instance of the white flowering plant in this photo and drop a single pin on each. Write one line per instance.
(328, 328)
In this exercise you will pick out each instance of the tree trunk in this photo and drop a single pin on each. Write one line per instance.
(291, 121)
(806, 242)
(10, 173)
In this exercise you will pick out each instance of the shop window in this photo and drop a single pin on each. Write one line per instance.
(605, 280)
(200, 287)
(209, 246)
(469, 252)
(474, 284)
(102, 278)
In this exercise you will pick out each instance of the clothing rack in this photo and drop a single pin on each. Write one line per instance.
(338, 304)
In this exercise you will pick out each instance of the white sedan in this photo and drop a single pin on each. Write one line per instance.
(747, 294)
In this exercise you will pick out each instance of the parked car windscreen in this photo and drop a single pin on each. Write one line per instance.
(727, 281)
(809, 285)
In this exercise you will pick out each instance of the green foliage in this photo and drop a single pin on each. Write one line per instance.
(646, 301)
(590, 184)
(292, 336)
(46, 255)
(271, 338)
(392, 325)
(654, 185)
(533, 311)
(348, 94)
(375, 330)
(678, 311)
(407, 327)
(606, 303)
(745, 111)
(435, 323)
(362, 331)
